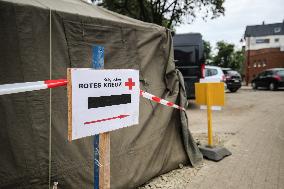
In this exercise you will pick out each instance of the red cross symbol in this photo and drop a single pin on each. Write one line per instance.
(130, 84)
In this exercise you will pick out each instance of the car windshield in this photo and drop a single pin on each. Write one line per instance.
(261, 74)
(225, 71)
(281, 73)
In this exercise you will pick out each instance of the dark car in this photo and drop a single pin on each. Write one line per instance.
(271, 79)
(233, 79)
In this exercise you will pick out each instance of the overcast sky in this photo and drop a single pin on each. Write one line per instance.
(238, 14)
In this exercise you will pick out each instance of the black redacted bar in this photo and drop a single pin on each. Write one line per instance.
(102, 101)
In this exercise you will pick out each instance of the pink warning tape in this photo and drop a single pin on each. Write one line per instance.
(160, 100)
(38, 85)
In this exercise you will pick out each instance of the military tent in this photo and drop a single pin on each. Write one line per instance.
(39, 40)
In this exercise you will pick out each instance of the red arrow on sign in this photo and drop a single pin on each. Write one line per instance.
(106, 119)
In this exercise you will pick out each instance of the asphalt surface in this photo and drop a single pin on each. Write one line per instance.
(251, 126)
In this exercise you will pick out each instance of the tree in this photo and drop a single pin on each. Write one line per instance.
(228, 57)
(166, 13)
(224, 55)
(207, 51)
(238, 60)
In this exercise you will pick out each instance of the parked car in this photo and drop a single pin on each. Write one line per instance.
(213, 74)
(233, 79)
(271, 79)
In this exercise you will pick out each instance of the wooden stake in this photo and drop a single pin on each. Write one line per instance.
(69, 94)
(104, 182)
(103, 144)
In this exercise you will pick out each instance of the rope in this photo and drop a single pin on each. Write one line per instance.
(50, 107)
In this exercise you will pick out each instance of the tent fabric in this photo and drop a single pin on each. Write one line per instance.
(157, 145)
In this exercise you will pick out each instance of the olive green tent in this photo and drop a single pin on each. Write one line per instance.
(157, 145)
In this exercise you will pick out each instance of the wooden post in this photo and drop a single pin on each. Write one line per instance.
(104, 173)
(102, 141)
(69, 94)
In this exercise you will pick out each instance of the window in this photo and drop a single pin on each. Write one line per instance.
(280, 73)
(225, 71)
(185, 56)
(232, 72)
(210, 72)
(261, 74)
(269, 73)
(277, 30)
(276, 40)
(262, 41)
(263, 63)
(259, 63)
(214, 72)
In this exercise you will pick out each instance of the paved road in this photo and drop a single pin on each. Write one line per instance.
(251, 126)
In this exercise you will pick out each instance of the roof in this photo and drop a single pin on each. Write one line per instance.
(226, 69)
(187, 39)
(215, 67)
(265, 30)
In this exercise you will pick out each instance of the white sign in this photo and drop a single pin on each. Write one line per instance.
(204, 107)
(102, 101)
(210, 80)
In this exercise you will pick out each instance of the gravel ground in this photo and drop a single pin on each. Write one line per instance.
(226, 124)
(176, 179)
(179, 178)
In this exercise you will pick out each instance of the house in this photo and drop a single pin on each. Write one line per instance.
(264, 48)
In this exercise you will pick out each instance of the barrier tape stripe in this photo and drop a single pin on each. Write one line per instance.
(55, 83)
(159, 100)
(31, 86)
(38, 85)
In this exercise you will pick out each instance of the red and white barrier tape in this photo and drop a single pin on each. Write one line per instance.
(31, 86)
(160, 100)
(38, 85)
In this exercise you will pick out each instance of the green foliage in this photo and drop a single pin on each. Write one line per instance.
(207, 51)
(225, 53)
(227, 56)
(168, 13)
(238, 61)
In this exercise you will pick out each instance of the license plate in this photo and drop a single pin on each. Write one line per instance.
(236, 81)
